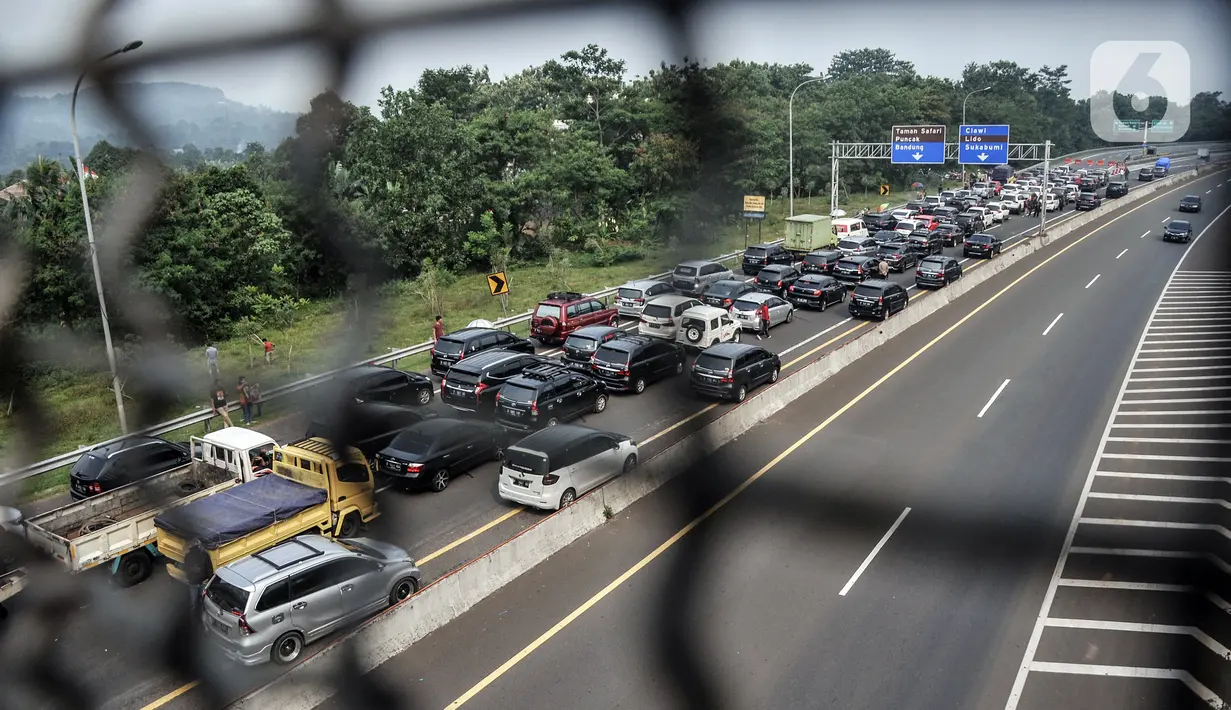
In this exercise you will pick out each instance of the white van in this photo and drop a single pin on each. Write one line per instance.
(849, 228)
(553, 467)
(703, 326)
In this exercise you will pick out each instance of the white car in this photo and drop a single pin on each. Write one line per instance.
(998, 211)
(1071, 191)
(985, 213)
(1051, 202)
(903, 213)
(703, 326)
(906, 226)
(661, 317)
(981, 189)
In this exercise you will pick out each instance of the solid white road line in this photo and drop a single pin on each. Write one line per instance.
(868, 560)
(1121, 253)
(1171, 426)
(1093, 280)
(993, 399)
(1165, 477)
(1053, 324)
(1206, 695)
(1178, 389)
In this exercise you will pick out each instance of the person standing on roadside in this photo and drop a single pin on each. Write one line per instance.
(245, 399)
(763, 313)
(255, 390)
(438, 328)
(269, 351)
(211, 361)
(218, 400)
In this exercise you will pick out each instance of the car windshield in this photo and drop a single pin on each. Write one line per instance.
(816, 259)
(755, 251)
(581, 342)
(770, 274)
(931, 264)
(227, 596)
(614, 357)
(657, 310)
(630, 293)
(1178, 224)
(685, 271)
(723, 289)
(848, 264)
(1191, 198)
(517, 393)
(447, 346)
(87, 467)
(893, 249)
(713, 362)
(547, 310)
(528, 462)
(411, 443)
(867, 291)
(848, 244)
(742, 305)
(811, 281)
(979, 239)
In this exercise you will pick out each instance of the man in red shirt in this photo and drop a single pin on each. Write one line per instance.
(438, 330)
(269, 351)
(763, 312)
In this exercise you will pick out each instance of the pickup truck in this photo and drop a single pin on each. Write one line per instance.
(314, 489)
(117, 527)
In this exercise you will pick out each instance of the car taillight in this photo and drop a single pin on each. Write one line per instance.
(478, 390)
(244, 628)
(727, 380)
(727, 302)
(534, 407)
(639, 301)
(670, 321)
(881, 300)
(414, 467)
(497, 398)
(444, 380)
(550, 479)
(624, 373)
(779, 283)
(792, 288)
(96, 487)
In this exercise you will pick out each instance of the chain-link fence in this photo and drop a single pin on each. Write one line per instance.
(38, 670)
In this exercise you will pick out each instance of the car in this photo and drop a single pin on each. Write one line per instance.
(950, 234)
(109, 466)
(776, 279)
(270, 605)
(1052, 202)
(816, 291)
(982, 245)
(934, 201)
(943, 214)
(732, 370)
(746, 310)
(1071, 192)
(923, 244)
(857, 246)
(820, 261)
(1178, 230)
(1088, 201)
(723, 293)
(472, 384)
(898, 255)
(1145, 175)
(547, 395)
(937, 271)
(903, 213)
(456, 346)
(580, 346)
(1117, 188)
(632, 296)
(432, 453)
(981, 189)
(373, 383)
(661, 317)
(629, 364)
(1159, 172)
(368, 426)
(971, 222)
(921, 207)
(998, 210)
(759, 256)
(1190, 203)
(853, 269)
(906, 226)
(702, 326)
(926, 221)
(551, 468)
(949, 198)
(880, 221)
(885, 236)
(877, 298)
(694, 277)
(562, 312)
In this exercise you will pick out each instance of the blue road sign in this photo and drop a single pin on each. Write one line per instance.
(983, 145)
(917, 145)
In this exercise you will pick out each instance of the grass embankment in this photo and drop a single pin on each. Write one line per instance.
(81, 406)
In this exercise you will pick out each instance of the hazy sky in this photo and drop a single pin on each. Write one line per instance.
(929, 34)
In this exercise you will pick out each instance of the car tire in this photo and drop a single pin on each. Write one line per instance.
(630, 462)
(424, 396)
(440, 480)
(349, 527)
(639, 385)
(134, 568)
(567, 498)
(773, 376)
(823, 302)
(679, 366)
(287, 649)
(790, 315)
(741, 394)
(693, 334)
(735, 336)
(403, 589)
(600, 403)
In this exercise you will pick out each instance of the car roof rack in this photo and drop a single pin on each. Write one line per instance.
(546, 371)
(564, 296)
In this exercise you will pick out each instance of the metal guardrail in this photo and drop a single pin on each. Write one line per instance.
(392, 358)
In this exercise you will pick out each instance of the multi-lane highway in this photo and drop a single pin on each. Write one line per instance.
(446, 530)
(904, 527)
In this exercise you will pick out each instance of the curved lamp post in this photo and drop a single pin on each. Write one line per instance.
(976, 91)
(790, 122)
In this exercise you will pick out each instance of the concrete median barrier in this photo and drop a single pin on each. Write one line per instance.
(452, 595)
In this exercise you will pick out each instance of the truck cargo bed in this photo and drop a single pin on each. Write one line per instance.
(239, 511)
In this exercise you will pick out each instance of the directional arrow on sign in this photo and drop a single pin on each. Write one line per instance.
(498, 283)
(917, 156)
(983, 156)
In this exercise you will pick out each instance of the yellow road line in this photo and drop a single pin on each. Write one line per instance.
(171, 696)
(469, 536)
(827, 343)
(671, 541)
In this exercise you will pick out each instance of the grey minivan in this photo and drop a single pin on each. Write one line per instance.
(269, 605)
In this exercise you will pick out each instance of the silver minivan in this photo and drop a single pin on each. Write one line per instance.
(632, 296)
(555, 466)
(661, 317)
(270, 605)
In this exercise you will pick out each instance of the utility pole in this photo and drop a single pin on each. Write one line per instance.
(959, 138)
(1046, 188)
(790, 129)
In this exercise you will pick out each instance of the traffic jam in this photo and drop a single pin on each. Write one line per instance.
(538, 421)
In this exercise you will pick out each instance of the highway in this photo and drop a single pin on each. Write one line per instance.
(446, 530)
(902, 532)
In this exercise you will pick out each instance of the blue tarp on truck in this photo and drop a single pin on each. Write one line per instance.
(239, 511)
(1164, 163)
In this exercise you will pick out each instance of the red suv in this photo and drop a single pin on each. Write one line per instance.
(561, 313)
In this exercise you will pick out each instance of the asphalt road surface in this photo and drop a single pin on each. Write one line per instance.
(902, 532)
(446, 530)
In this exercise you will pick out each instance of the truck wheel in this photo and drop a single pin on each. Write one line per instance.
(350, 525)
(134, 568)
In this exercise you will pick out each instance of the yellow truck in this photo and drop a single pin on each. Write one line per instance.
(314, 488)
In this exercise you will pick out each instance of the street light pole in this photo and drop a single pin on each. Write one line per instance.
(89, 233)
(959, 138)
(790, 127)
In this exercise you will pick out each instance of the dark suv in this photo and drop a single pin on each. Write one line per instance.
(563, 312)
(877, 298)
(925, 243)
(471, 385)
(628, 364)
(580, 346)
(724, 293)
(950, 233)
(1117, 188)
(126, 461)
(900, 256)
(547, 395)
(854, 269)
(460, 344)
(759, 256)
(731, 370)
(776, 279)
(820, 261)
(880, 221)
(982, 245)
(970, 222)
(937, 271)
(1088, 201)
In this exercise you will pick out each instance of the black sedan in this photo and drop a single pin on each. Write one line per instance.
(820, 261)
(816, 291)
(1190, 203)
(429, 454)
(899, 256)
(724, 293)
(372, 383)
(1178, 230)
(982, 245)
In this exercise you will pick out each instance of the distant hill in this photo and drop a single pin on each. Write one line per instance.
(179, 114)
